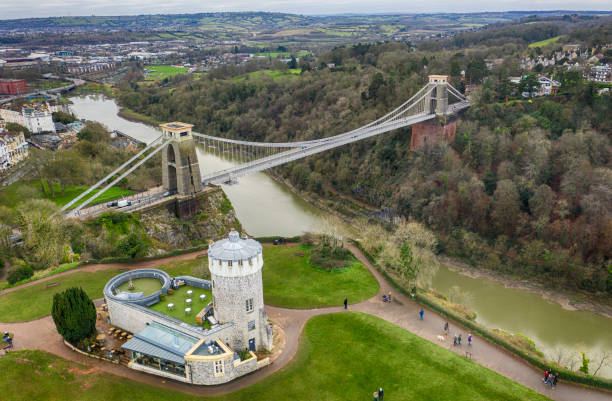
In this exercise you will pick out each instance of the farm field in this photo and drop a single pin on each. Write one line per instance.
(272, 73)
(545, 42)
(367, 351)
(159, 72)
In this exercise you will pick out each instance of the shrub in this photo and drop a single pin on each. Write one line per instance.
(74, 314)
(20, 273)
(244, 354)
(133, 246)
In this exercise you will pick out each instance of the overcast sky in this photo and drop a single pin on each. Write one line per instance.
(46, 8)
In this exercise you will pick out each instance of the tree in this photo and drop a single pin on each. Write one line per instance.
(94, 132)
(407, 265)
(133, 246)
(64, 118)
(585, 364)
(14, 127)
(476, 70)
(293, 62)
(506, 207)
(74, 314)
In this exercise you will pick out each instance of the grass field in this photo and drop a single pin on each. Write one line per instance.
(159, 72)
(290, 281)
(343, 356)
(271, 73)
(545, 42)
(12, 195)
(35, 301)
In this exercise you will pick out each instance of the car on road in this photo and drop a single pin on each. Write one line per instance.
(168, 193)
(124, 203)
(111, 204)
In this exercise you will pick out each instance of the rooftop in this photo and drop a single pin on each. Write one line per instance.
(162, 342)
(234, 248)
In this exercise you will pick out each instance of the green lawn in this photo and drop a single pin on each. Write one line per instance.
(178, 299)
(35, 301)
(343, 356)
(545, 42)
(290, 281)
(13, 194)
(159, 72)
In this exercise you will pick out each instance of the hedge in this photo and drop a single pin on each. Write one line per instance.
(538, 363)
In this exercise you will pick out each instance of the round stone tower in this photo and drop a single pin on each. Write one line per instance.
(235, 265)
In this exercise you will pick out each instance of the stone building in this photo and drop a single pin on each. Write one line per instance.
(235, 265)
(205, 353)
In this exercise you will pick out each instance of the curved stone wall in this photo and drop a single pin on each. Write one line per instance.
(113, 283)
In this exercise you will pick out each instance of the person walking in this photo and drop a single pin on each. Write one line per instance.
(345, 303)
(380, 394)
(546, 374)
(421, 312)
(455, 340)
(470, 339)
(446, 328)
(389, 296)
(551, 379)
(459, 339)
(554, 380)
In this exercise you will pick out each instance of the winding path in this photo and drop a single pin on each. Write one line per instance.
(41, 334)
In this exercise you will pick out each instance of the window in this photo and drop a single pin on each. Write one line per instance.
(251, 261)
(252, 325)
(229, 263)
(240, 263)
(218, 367)
(249, 305)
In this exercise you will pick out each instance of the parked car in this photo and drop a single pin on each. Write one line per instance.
(111, 204)
(124, 203)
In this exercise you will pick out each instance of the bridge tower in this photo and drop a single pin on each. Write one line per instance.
(180, 166)
(439, 101)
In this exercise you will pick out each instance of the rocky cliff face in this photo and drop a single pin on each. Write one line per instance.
(214, 218)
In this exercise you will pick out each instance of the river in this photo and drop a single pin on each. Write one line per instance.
(266, 207)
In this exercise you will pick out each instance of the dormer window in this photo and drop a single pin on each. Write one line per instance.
(240, 263)
(229, 263)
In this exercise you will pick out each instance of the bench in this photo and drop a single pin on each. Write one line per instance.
(51, 285)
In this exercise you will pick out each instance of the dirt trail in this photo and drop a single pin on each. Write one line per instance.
(403, 312)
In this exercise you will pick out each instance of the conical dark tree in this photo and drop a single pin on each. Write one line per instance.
(74, 314)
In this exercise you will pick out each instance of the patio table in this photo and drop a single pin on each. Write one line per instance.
(187, 311)
(202, 297)
(170, 306)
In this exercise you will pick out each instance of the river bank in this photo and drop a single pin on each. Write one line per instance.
(568, 300)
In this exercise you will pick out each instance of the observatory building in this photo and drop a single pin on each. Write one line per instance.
(192, 330)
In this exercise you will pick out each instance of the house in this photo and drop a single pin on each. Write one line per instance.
(548, 86)
(12, 86)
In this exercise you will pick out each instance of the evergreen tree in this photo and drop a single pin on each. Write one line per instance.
(74, 314)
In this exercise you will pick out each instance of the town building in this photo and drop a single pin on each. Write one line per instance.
(548, 86)
(13, 148)
(36, 117)
(215, 347)
(600, 73)
(13, 86)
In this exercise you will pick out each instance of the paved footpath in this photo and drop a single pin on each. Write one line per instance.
(41, 334)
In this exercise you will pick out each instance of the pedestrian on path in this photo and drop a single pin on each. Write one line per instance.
(546, 374)
(376, 396)
(421, 312)
(551, 379)
(459, 339)
(345, 303)
(380, 394)
(446, 328)
(455, 340)
(470, 339)
(389, 296)
(555, 377)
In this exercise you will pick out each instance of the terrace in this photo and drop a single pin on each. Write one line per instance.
(178, 298)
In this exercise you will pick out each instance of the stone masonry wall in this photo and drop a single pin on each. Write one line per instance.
(431, 132)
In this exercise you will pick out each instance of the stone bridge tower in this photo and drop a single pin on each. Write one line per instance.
(439, 100)
(180, 167)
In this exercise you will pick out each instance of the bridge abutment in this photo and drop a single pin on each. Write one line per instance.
(431, 132)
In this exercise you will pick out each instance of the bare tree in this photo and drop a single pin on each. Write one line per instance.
(604, 361)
